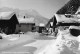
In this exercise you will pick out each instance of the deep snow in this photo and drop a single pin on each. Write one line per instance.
(64, 44)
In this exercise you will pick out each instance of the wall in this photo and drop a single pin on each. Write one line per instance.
(24, 27)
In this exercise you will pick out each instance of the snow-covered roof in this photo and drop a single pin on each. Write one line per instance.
(6, 15)
(26, 20)
(41, 24)
(63, 18)
(74, 27)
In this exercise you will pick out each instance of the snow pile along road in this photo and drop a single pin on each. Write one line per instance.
(64, 44)
(12, 37)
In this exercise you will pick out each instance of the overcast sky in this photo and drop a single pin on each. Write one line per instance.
(46, 8)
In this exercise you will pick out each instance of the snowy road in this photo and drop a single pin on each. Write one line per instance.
(27, 44)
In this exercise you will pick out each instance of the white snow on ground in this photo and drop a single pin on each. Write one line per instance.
(64, 44)
(10, 37)
(14, 37)
(6, 42)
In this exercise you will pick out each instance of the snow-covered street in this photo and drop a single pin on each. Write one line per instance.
(34, 43)
(30, 43)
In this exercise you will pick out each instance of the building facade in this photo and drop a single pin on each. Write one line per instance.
(24, 27)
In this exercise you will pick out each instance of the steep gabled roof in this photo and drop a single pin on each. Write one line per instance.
(53, 19)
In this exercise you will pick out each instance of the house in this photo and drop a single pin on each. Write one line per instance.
(25, 25)
(52, 23)
(62, 20)
(8, 22)
(41, 27)
(70, 7)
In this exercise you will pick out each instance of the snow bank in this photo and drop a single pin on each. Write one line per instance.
(64, 44)
(10, 37)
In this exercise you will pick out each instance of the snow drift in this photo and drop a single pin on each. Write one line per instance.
(64, 44)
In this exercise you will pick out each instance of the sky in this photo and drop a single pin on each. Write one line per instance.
(46, 8)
